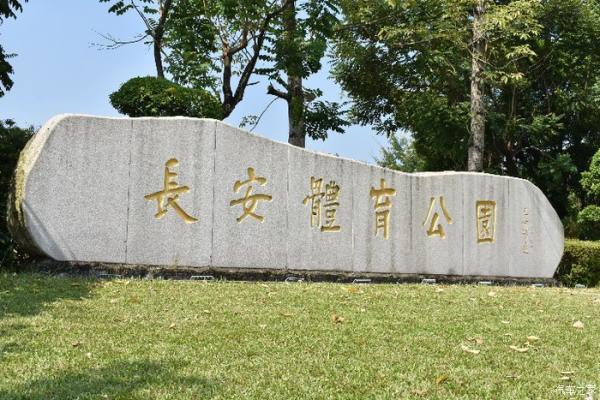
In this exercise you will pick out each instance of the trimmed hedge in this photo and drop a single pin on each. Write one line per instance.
(580, 263)
(157, 97)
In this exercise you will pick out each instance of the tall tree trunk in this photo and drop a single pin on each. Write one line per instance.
(160, 72)
(295, 98)
(158, 36)
(297, 131)
(477, 136)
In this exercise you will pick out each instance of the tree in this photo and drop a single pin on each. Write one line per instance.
(220, 44)
(588, 219)
(235, 30)
(209, 44)
(154, 15)
(8, 9)
(477, 47)
(409, 65)
(401, 155)
(298, 44)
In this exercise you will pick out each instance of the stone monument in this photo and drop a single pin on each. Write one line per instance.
(184, 192)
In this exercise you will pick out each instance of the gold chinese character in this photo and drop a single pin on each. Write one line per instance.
(383, 204)
(315, 197)
(170, 194)
(332, 202)
(250, 201)
(486, 221)
(435, 228)
(328, 200)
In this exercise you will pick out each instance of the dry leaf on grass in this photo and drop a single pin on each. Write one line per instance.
(419, 392)
(469, 350)
(353, 289)
(172, 326)
(287, 315)
(76, 344)
(519, 349)
(336, 319)
(441, 379)
(476, 339)
(565, 378)
(505, 322)
(533, 338)
(567, 372)
(578, 325)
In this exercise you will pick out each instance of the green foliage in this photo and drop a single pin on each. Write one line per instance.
(406, 65)
(401, 156)
(296, 46)
(197, 31)
(157, 97)
(570, 219)
(588, 222)
(587, 225)
(121, 7)
(192, 38)
(322, 117)
(580, 263)
(300, 52)
(590, 180)
(8, 8)
(12, 141)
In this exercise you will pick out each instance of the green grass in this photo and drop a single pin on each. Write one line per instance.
(72, 338)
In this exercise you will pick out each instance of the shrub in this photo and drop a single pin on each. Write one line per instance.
(580, 263)
(158, 97)
(590, 180)
(588, 221)
(12, 141)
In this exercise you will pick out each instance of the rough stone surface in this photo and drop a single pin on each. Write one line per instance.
(249, 243)
(320, 246)
(84, 186)
(74, 188)
(372, 251)
(170, 240)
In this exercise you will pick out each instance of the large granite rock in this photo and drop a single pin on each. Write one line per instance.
(200, 193)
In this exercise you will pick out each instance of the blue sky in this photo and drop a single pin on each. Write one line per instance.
(58, 71)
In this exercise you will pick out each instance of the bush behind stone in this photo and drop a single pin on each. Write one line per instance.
(580, 263)
(158, 97)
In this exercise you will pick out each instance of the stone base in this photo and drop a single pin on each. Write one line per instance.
(105, 270)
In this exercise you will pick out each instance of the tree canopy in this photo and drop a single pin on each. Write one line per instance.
(406, 66)
(220, 45)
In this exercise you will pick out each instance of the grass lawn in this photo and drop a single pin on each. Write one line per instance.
(74, 338)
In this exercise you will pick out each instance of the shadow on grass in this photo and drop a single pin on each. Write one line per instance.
(28, 294)
(119, 380)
